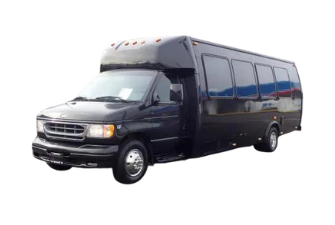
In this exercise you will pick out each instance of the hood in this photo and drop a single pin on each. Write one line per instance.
(88, 111)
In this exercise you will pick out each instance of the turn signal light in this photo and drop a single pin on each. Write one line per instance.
(109, 131)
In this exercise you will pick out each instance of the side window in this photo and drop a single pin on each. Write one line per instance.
(245, 79)
(218, 76)
(163, 86)
(295, 82)
(266, 81)
(283, 82)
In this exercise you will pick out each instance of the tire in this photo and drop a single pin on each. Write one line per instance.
(59, 167)
(270, 142)
(131, 163)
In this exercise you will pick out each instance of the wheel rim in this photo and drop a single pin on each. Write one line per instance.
(273, 140)
(134, 162)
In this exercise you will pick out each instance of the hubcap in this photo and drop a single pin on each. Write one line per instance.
(273, 140)
(134, 162)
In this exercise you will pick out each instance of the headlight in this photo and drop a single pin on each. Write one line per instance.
(40, 125)
(100, 131)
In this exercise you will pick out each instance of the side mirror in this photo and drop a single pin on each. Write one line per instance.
(155, 99)
(176, 92)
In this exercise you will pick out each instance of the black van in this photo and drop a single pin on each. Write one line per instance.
(159, 100)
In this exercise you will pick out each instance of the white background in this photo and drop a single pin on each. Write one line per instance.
(50, 51)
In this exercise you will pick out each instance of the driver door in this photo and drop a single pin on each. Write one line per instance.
(168, 117)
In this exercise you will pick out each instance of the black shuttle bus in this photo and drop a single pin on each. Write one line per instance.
(159, 100)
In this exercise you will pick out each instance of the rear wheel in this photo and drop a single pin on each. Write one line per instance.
(270, 141)
(59, 167)
(132, 162)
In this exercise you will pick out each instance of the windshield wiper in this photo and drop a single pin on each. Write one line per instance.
(112, 98)
(80, 98)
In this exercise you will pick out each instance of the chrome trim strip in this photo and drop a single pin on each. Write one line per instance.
(161, 117)
(39, 148)
(165, 139)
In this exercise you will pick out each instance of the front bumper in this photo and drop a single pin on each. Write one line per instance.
(85, 155)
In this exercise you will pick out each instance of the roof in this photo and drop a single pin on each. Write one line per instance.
(239, 50)
(169, 52)
(156, 53)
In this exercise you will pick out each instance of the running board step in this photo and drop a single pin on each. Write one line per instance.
(169, 158)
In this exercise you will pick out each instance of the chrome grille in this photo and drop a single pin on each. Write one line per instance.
(65, 131)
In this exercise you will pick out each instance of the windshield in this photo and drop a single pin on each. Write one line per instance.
(130, 85)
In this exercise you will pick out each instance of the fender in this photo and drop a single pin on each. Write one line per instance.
(272, 123)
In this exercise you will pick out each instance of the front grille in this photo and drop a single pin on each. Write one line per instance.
(65, 131)
(65, 128)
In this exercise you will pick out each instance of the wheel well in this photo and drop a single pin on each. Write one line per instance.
(145, 140)
(275, 125)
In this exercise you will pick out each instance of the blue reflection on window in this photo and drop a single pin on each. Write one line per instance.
(283, 82)
(245, 79)
(266, 81)
(218, 76)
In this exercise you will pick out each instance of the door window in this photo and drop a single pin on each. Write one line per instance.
(163, 86)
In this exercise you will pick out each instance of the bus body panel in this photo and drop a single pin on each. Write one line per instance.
(234, 122)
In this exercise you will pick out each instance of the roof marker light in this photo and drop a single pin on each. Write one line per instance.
(135, 42)
(195, 43)
(142, 42)
(127, 43)
(113, 44)
(158, 39)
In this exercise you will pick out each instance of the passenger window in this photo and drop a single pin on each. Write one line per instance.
(218, 76)
(245, 79)
(266, 81)
(295, 82)
(283, 82)
(163, 87)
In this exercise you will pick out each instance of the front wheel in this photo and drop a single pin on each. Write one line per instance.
(59, 167)
(132, 162)
(270, 141)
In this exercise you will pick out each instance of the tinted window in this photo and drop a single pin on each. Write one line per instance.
(266, 81)
(283, 82)
(295, 83)
(218, 77)
(163, 87)
(245, 79)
